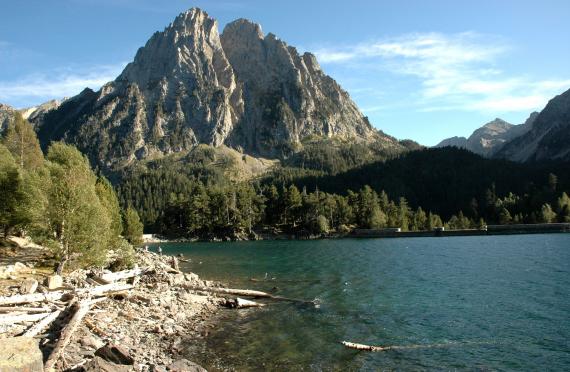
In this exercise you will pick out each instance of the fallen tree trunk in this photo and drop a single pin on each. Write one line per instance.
(113, 277)
(57, 295)
(352, 345)
(7, 309)
(36, 297)
(41, 325)
(65, 336)
(244, 292)
(11, 319)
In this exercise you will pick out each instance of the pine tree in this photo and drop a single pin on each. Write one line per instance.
(12, 197)
(23, 143)
(133, 227)
(76, 218)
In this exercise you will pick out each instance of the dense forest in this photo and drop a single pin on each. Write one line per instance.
(410, 191)
(61, 203)
(329, 187)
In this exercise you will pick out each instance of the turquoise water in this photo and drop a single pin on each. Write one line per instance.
(488, 303)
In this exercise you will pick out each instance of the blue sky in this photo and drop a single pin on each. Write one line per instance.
(424, 70)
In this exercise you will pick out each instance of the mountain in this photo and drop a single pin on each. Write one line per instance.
(491, 137)
(188, 85)
(33, 114)
(6, 116)
(549, 137)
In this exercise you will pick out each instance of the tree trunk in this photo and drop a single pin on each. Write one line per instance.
(65, 337)
(60, 266)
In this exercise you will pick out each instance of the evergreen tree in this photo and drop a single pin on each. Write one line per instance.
(504, 216)
(547, 214)
(110, 202)
(76, 219)
(12, 197)
(133, 227)
(23, 143)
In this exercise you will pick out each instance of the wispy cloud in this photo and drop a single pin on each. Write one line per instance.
(455, 72)
(40, 87)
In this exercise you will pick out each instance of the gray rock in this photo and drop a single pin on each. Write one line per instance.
(184, 365)
(54, 281)
(99, 364)
(28, 286)
(115, 354)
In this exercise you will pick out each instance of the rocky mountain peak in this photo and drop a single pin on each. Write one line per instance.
(190, 85)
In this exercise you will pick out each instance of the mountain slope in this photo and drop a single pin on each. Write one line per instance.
(189, 86)
(549, 138)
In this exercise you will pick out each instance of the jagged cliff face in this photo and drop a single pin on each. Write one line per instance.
(287, 96)
(549, 137)
(188, 85)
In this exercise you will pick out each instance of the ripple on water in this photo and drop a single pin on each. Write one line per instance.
(490, 302)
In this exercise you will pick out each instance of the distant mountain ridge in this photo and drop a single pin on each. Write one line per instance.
(491, 137)
(33, 114)
(189, 85)
(547, 139)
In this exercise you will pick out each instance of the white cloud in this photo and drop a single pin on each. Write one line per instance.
(41, 87)
(455, 71)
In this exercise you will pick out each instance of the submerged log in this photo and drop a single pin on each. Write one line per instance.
(352, 345)
(243, 292)
(65, 336)
(242, 303)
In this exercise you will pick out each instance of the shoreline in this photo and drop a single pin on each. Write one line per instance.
(491, 230)
(143, 326)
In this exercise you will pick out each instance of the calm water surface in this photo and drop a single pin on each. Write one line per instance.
(484, 303)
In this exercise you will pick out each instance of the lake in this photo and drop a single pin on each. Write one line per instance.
(484, 302)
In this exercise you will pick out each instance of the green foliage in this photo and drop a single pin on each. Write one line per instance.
(12, 197)
(110, 202)
(547, 214)
(76, 218)
(22, 142)
(133, 227)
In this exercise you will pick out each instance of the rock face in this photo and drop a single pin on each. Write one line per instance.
(287, 97)
(188, 86)
(491, 137)
(6, 116)
(549, 137)
(32, 114)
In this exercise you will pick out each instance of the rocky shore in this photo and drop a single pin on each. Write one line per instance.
(142, 327)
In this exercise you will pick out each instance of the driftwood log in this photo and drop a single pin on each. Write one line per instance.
(113, 277)
(82, 308)
(21, 318)
(9, 309)
(41, 325)
(244, 293)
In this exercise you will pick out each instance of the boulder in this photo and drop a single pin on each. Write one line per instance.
(20, 354)
(99, 364)
(28, 286)
(115, 354)
(54, 281)
(184, 365)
